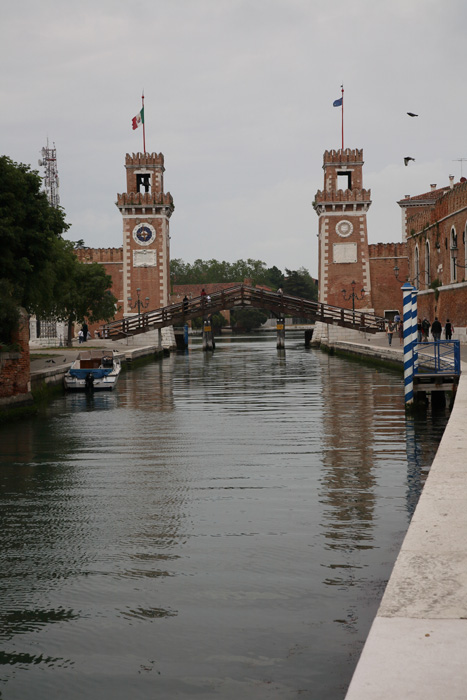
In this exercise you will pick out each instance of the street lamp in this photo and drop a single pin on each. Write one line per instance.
(138, 303)
(353, 295)
(411, 281)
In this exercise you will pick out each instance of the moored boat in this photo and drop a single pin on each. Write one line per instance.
(93, 370)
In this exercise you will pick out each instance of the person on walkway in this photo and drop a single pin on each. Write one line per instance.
(400, 328)
(419, 330)
(448, 329)
(425, 329)
(436, 329)
(84, 328)
(390, 330)
(80, 337)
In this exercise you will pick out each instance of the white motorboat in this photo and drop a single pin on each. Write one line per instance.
(93, 370)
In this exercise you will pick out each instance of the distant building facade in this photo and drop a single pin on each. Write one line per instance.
(435, 228)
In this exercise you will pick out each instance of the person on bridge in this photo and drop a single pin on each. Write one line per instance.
(436, 329)
(203, 294)
(185, 304)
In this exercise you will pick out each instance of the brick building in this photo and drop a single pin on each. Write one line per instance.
(15, 367)
(435, 226)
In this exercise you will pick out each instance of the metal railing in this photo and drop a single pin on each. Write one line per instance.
(439, 357)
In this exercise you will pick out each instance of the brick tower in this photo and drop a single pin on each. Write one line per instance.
(146, 211)
(343, 239)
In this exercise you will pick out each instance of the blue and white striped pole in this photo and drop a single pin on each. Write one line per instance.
(408, 330)
(414, 327)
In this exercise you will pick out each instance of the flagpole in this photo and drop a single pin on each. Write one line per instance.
(144, 126)
(342, 90)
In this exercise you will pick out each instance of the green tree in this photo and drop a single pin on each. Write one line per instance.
(30, 235)
(299, 283)
(82, 291)
(38, 268)
(245, 320)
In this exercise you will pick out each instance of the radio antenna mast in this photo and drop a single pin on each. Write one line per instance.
(49, 163)
(460, 160)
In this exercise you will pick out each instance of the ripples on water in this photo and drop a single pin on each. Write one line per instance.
(223, 525)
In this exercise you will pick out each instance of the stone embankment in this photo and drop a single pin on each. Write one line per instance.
(417, 645)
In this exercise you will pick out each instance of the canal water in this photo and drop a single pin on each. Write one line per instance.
(221, 526)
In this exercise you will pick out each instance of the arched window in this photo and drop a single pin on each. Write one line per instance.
(417, 267)
(453, 252)
(427, 264)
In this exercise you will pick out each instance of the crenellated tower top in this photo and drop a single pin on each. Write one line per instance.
(145, 174)
(343, 180)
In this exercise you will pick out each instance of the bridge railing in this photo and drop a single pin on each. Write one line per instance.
(241, 295)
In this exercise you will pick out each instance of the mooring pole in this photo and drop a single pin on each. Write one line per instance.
(408, 344)
(414, 327)
(280, 327)
(207, 335)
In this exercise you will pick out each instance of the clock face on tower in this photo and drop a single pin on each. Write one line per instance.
(144, 234)
(344, 228)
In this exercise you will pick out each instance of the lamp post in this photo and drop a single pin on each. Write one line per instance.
(138, 303)
(353, 295)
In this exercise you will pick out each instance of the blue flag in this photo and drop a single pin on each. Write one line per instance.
(337, 103)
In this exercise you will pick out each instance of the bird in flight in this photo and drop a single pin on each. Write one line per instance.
(407, 158)
(411, 114)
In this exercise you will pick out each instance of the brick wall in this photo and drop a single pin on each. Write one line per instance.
(15, 367)
(451, 303)
(386, 292)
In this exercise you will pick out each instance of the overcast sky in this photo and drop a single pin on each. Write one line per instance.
(238, 98)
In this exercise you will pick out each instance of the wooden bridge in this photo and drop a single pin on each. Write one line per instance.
(279, 304)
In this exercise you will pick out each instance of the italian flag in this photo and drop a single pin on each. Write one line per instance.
(139, 119)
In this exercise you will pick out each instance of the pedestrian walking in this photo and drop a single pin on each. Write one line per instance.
(390, 330)
(436, 329)
(400, 328)
(448, 329)
(419, 331)
(426, 325)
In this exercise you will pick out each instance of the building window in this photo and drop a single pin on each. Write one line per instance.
(417, 268)
(453, 251)
(427, 264)
(344, 180)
